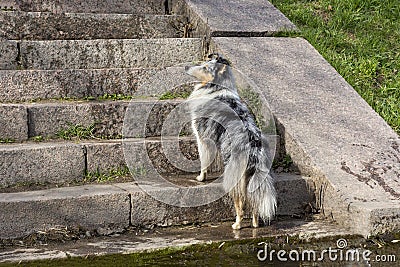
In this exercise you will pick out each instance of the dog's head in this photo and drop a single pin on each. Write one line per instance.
(214, 70)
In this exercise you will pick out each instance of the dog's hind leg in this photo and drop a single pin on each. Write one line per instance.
(255, 219)
(238, 201)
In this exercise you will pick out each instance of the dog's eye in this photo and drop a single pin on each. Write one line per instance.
(204, 68)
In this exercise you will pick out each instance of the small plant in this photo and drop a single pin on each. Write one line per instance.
(77, 132)
(115, 97)
(7, 140)
(283, 165)
(174, 95)
(37, 138)
(109, 176)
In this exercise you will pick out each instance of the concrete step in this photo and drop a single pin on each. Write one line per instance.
(33, 85)
(91, 6)
(61, 162)
(76, 26)
(331, 133)
(98, 54)
(118, 206)
(104, 119)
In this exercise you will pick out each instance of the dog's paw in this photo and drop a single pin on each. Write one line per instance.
(236, 226)
(201, 177)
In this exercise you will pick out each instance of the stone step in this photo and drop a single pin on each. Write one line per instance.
(32, 85)
(98, 54)
(102, 119)
(17, 25)
(118, 206)
(91, 6)
(61, 162)
(57, 163)
(330, 132)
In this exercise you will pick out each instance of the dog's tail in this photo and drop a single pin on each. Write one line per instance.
(234, 171)
(261, 194)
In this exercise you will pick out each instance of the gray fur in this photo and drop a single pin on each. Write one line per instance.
(219, 115)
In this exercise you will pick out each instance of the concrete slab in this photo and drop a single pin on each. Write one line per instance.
(115, 207)
(103, 53)
(41, 163)
(14, 122)
(16, 25)
(91, 6)
(240, 17)
(9, 55)
(107, 117)
(88, 207)
(27, 85)
(331, 133)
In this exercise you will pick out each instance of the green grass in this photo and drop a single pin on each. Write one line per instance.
(77, 131)
(360, 39)
(7, 140)
(104, 177)
(113, 174)
(174, 95)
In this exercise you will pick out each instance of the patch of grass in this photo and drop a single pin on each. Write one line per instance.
(174, 95)
(77, 131)
(113, 175)
(360, 39)
(110, 176)
(114, 97)
(7, 140)
(38, 138)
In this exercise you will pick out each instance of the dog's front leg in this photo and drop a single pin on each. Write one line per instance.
(205, 159)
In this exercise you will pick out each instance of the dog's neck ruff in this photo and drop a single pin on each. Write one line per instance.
(208, 91)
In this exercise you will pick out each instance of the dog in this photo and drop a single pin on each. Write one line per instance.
(222, 122)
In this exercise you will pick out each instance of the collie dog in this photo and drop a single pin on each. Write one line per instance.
(222, 122)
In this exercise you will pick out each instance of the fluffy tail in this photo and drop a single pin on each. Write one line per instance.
(234, 171)
(261, 194)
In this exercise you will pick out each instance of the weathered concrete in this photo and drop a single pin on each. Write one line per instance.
(240, 17)
(58, 163)
(114, 207)
(70, 26)
(88, 207)
(9, 55)
(107, 117)
(27, 85)
(14, 122)
(182, 236)
(41, 163)
(296, 194)
(331, 133)
(92, 54)
(91, 6)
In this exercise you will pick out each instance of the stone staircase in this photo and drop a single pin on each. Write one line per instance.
(70, 66)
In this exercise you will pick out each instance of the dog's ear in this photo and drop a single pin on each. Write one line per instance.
(220, 59)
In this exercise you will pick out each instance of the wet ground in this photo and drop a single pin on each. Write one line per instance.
(210, 244)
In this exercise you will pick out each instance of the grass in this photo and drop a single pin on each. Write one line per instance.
(7, 140)
(360, 39)
(104, 177)
(113, 175)
(77, 131)
(174, 95)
